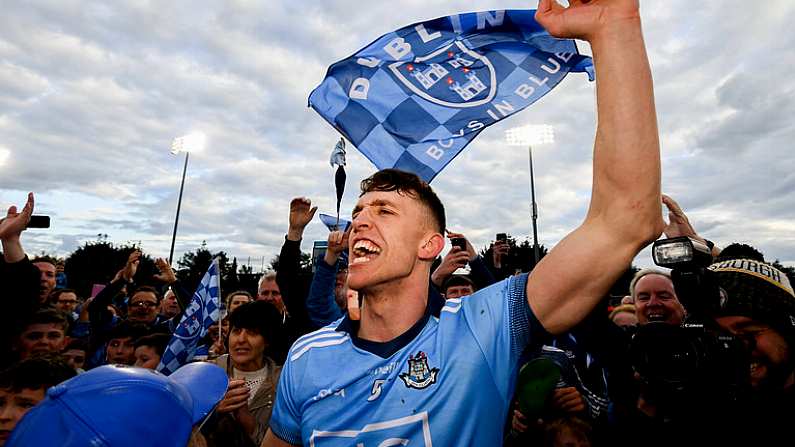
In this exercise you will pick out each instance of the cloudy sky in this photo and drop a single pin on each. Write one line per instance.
(92, 95)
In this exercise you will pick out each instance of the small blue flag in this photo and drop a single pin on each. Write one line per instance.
(414, 98)
(202, 312)
(331, 222)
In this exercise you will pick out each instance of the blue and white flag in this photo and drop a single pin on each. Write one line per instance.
(414, 98)
(202, 312)
(333, 224)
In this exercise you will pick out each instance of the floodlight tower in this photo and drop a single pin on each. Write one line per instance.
(529, 136)
(193, 142)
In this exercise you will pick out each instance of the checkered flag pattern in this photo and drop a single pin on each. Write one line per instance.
(203, 310)
(414, 98)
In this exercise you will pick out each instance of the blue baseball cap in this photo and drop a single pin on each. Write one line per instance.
(121, 406)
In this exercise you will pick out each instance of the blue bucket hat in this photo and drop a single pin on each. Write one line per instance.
(123, 406)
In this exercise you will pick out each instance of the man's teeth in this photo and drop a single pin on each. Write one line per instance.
(364, 247)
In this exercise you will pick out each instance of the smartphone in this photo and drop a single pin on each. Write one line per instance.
(459, 242)
(502, 237)
(38, 221)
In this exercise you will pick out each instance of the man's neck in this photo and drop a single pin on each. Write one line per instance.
(391, 309)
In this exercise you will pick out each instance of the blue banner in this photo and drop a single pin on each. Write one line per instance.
(414, 98)
(202, 312)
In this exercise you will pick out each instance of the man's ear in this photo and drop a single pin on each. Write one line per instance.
(432, 246)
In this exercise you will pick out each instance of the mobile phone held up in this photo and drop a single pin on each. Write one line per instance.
(459, 242)
(38, 221)
(502, 237)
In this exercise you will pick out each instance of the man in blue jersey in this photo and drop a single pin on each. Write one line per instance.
(400, 377)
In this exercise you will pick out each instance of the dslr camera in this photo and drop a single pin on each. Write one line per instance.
(693, 367)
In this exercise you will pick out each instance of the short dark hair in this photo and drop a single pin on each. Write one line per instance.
(56, 294)
(407, 183)
(259, 316)
(458, 280)
(47, 316)
(127, 329)
(149, 289)
(79, 344)
(157, 342)
(35, 373)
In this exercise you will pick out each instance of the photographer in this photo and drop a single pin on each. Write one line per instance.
(757, 305)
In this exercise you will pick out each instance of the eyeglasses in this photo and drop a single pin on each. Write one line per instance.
(142, 304)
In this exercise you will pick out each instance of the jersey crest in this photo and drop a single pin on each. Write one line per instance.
(419, 375)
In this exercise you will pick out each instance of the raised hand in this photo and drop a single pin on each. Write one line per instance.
(166, 274)
(301, 213)
(128, 271)
(568, 399)
(469, 248)
(455, 259)
(337, 242)
(235, 398)
(15, 222)
(583, 19)
(678, 224)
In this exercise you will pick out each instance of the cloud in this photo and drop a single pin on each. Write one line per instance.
(91, 95)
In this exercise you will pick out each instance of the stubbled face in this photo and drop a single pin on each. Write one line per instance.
(143, 307)
(67, 302)
(14, 405)
(121, 351)
(146, 357)
(246, 347)
(41, 338)
(655, 300)
(769, 354)
(237, 301)
(270, 293)
(458, 291)
(388, 229)
(76, 358)
(169, 306)
(47, 281)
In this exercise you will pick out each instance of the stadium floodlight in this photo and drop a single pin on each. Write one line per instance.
(192, 142)
(531, 135)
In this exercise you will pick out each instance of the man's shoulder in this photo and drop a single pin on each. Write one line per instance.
(324, 341)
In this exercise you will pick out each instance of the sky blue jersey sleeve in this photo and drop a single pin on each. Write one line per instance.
(285, 420)
(502, 323)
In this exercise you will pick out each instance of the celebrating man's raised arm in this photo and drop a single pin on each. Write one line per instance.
(624, 213)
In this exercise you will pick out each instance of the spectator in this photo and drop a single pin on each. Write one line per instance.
(75, 354)
(20, 280)
(655, 298)
(149, 349)
(269, 292)
(66, 301)
(143, 305)
(23, 386)
(120, 348)
(46, 266)
(45, 333)
(169, 305)
(329, 283)
(624, 315)
(236, 299)
(458, 258)
(104, 406)
(243, 415)
(758, 307)
(457, 286)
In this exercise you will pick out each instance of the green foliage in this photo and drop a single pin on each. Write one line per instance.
(519, 257)
(98, 262)
(194, 265)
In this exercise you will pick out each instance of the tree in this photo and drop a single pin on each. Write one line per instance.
(97, 263)
(194, 264)
(521, 255)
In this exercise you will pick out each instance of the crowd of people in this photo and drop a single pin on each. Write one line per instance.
(389, 343)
